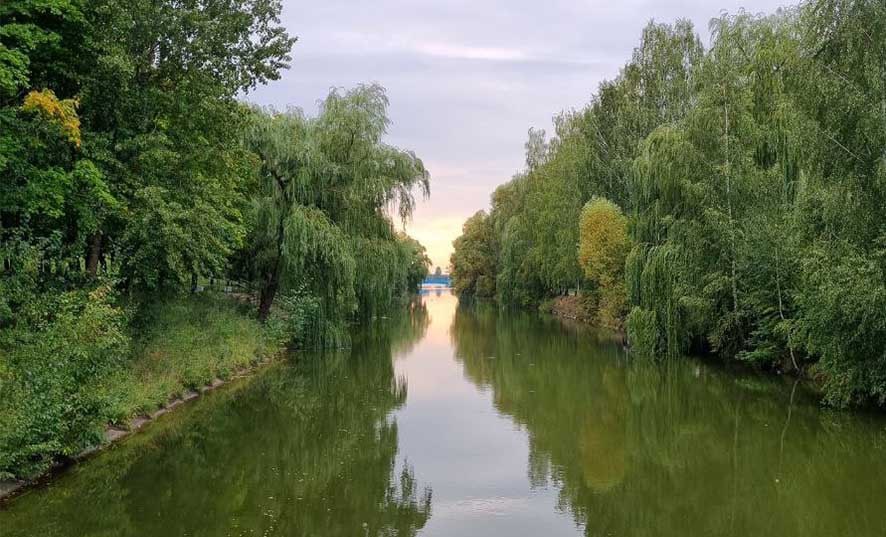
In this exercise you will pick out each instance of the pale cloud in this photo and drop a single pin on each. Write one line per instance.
(467, 52)
(368, 42)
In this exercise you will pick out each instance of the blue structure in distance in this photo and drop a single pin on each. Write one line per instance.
(436, 281)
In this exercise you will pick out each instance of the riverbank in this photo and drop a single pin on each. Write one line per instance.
(179, 348)
(570, 307)
(113, 434)
(574, 309)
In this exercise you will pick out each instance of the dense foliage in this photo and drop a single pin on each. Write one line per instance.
(602, 248)
(753, 178)
(473, 261)
(131, 173)
(70, 373)
(325, 186)
(53, 378)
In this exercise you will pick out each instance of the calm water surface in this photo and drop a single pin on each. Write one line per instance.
(468, 422)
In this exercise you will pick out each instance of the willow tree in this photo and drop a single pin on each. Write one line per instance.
(654, 88)
(713, 200)
(841, 293)
(419, 264)
(531, 224)
(666, 200)
(514, 217)
(327, 185)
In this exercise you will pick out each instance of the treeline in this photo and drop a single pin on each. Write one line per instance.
(129, 170)
(729, 200)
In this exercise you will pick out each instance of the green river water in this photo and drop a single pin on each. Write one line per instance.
(457, 421)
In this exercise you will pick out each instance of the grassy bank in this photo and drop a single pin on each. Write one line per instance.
(184, 343)
(85, 362)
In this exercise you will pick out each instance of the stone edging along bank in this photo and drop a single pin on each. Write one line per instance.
(11, 488)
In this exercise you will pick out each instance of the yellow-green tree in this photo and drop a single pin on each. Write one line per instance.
(602, 248)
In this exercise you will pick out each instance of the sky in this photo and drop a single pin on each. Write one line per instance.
(466, 79)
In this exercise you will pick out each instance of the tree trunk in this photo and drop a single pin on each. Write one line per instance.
(729, 205)
(95, 250)
(781, 312)
(193, 282)
(272, 278)
(268, 292)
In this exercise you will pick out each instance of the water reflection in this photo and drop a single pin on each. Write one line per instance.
(522, 426)
(674, 449)
(309, 448)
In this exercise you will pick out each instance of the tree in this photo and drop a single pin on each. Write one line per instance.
(473, 259)
(602, 249)
(145, 93)
(752, 180)
(160, 101)
(419, 262)
(534, 216)
(324, 185)
(841, 200)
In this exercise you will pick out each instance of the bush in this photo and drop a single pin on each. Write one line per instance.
(842, 320)
(53, 376)
(298, 321)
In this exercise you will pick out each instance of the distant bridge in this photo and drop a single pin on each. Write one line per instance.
(437, 281)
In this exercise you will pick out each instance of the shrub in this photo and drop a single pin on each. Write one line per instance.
(298, 321)
(69, 367)
(842, 320)
(53, 373)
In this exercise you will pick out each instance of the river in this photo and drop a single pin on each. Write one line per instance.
(467, 421)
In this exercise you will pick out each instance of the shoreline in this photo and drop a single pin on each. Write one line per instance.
(569, 308)
(10, 489)
(565, 309)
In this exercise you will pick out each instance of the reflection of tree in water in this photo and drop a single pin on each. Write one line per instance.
(675, 448)
(402, 329)
(602, 439)
(305, 449)
(573, 407)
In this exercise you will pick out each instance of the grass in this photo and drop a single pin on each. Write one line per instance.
(183, 343)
